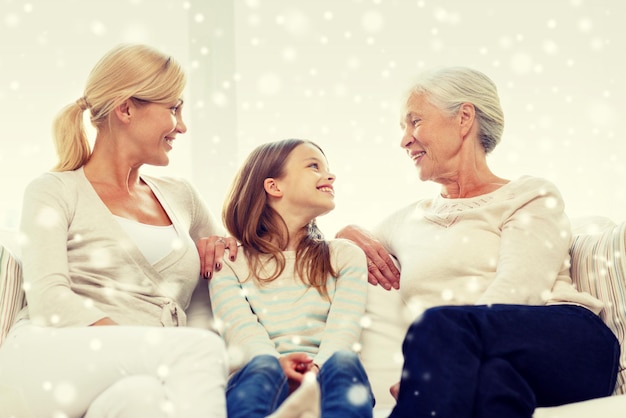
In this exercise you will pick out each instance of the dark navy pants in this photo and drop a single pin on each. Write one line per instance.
(503, 361)
(260, 387)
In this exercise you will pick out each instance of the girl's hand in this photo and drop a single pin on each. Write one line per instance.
(380, 266)
(295, 365)
(211, 250)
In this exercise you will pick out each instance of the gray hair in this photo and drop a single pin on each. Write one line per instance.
(449, 88)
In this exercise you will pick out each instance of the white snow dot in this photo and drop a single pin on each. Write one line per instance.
(442, 15)
(358, 394)
(506, 42)
(65, 393)
(372, 21)
(153, 337)
(295, 22)
(219, 99)
(100, 258)
(597, 43)
(12, 20)
(550, 47)
(551, 203)
(47, 217)
(521, 63)
(254, 20)
(289, 54)
(198, 18)
(585, 24)
(447, 295)
(163, 371)
(98, 28)
(95, 344)
(177, 244)
(546, 295)
(601, 114)
(366, 321)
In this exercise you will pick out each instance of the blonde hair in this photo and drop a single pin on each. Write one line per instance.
(127, 71)
(262, 231)
(449, 88)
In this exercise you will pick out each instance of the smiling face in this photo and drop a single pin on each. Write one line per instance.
(155, 128)
(431, 138)
(306, 187)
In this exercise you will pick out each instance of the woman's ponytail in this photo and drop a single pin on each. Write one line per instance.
(70, 138)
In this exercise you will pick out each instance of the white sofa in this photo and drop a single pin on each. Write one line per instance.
(598, 266)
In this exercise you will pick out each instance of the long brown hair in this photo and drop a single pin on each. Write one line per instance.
(262, 231)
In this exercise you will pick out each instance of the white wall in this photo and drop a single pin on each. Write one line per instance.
(333, 71)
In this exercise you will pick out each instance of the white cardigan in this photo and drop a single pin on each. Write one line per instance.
(80, 265)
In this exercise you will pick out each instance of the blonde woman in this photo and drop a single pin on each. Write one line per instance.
(110, 260)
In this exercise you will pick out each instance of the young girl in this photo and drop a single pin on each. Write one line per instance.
(291, 304)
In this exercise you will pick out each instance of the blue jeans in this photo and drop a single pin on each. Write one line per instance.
(504, 361)
(260, 387)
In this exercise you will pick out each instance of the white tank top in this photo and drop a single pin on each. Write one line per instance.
(155, 242)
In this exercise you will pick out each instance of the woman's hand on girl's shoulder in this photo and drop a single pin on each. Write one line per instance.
(380, 266)
(211, 250)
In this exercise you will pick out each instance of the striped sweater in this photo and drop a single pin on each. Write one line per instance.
(287, 316)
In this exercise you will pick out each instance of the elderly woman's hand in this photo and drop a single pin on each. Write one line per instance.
(380, 266)
(211, 250)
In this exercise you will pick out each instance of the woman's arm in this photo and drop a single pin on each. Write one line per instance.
(211, 250)
(380, 266)
(534, 247)
(236, 321)
(209, 236)
(46, 212)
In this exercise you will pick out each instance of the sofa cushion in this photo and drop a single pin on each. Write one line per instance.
(12, 298)
(599, 268)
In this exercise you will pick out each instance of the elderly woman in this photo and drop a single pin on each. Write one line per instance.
(501, 329)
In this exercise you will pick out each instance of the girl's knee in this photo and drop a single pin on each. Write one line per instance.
(344, 361)
(265, 364)
(344, 357)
